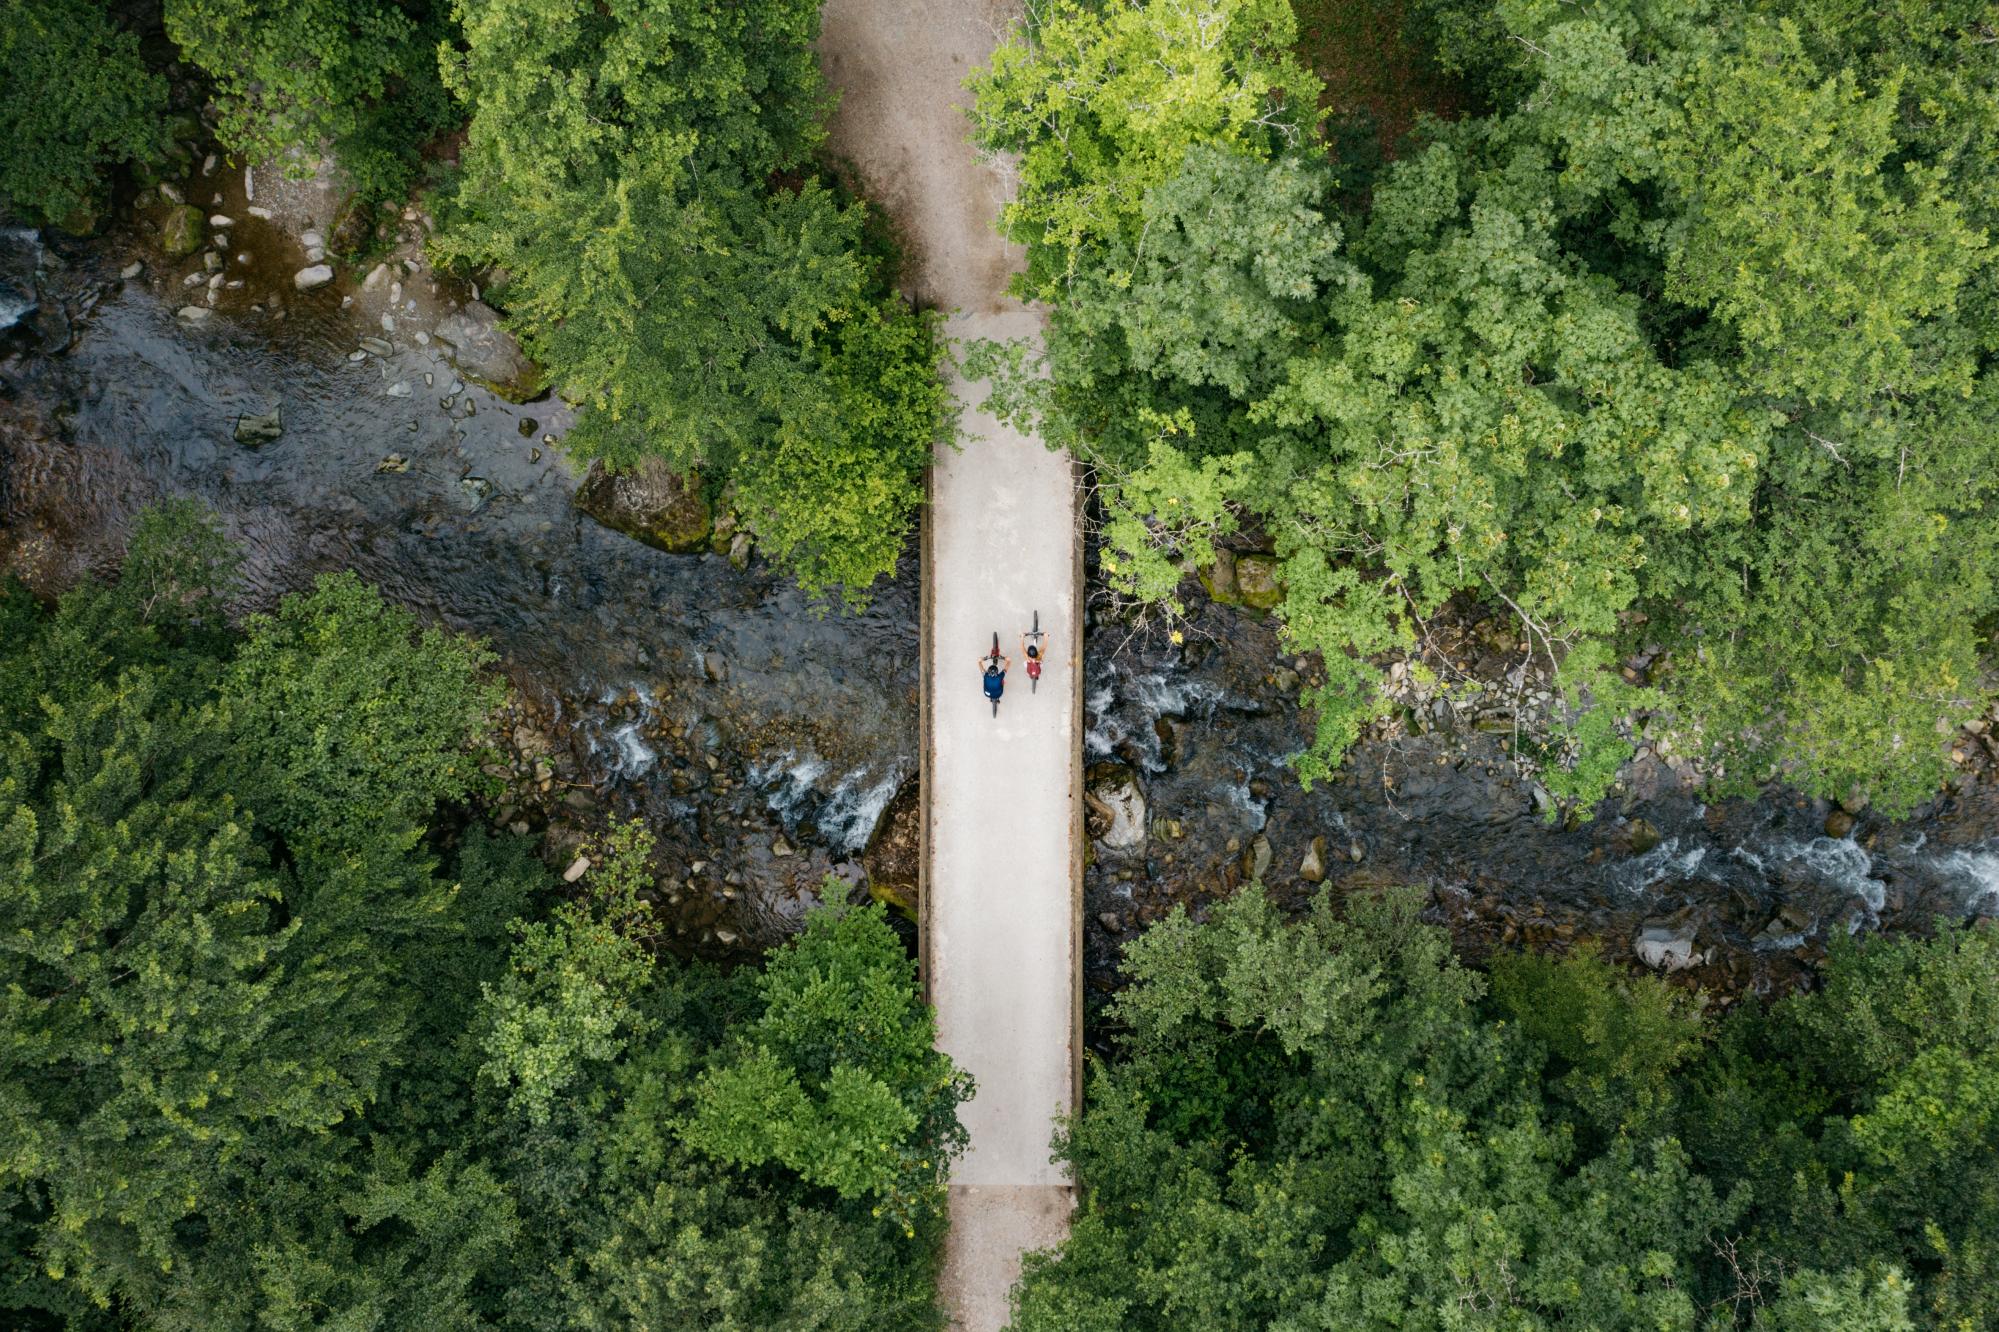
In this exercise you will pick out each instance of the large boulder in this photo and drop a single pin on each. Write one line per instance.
(1115, 806)
(180, 233)
(1666, 945)
(487, 354)
(651, 502)
(1257, 582)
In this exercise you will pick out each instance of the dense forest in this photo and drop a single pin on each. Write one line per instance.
(1672, 330)
(1685, 338)
(1330, 1123)
(289, 1043)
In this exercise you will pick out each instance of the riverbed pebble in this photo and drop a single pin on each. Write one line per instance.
(221, 221)
(577, 869)
(307, 279)
(131, 270)
(194, 314)
(261, 214)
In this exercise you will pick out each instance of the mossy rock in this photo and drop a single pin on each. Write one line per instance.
(650, 502)
(1257, 582)
(486, 354)
(83, 220)
(1219, 579)
(180, 233)
(900, 896)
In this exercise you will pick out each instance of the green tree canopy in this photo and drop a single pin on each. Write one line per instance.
(282, 1048)
(77, 101)
(1690, 331)
(295, 77)
(642, 173)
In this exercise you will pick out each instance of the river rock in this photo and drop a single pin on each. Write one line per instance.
(1219, 579)
(779, 847)
(194, 314)
(180, 233)
(1665, 946)
(222, 221)
(308, 279)
(487, 354)
(1640, 836)
(894, 853)
(1257, 582)
(1838, 824)
(132, 270)
(577, 869)
(715, 666)
(256, 429)
(651, 503)
(1115, 805)
(377, 278)
(1313, 868)
(1256, 861)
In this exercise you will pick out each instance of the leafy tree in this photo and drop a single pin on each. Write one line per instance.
(1103, 102)
(572, 982)
(677, 267)
(352, 719)
(296, 76)
(1321, 1123)
(838, 1079)
(78, 101)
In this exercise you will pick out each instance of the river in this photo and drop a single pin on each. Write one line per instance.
(764, 735)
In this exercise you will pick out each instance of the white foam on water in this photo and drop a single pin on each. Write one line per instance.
(635, 757)
(1664, 861)
(1834, 861)
(790, 779)
(1975, 874)
(1241, 799)
(854, 808)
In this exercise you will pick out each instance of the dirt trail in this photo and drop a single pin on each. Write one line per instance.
(1002, 831)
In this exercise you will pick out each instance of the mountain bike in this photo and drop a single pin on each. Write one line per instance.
(993, 670)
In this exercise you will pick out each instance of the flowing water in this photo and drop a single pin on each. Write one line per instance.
(1210, 737)
(646, 665)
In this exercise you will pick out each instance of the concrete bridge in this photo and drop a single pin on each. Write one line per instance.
(1001, 894)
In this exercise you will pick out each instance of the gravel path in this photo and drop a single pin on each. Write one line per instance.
(1002, 825)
